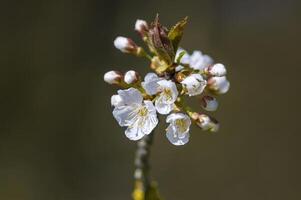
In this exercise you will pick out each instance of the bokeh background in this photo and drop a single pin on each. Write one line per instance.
(59, 141)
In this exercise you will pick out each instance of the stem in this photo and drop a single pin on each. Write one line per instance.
(142, 167)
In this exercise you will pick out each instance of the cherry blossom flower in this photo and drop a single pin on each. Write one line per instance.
(138, 116)
(194, 84)
(168, 94)
(178, 130)
(196, 60)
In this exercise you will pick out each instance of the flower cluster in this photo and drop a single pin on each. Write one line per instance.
(176, 75)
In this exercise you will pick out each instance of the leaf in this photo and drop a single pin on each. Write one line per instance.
(176, 32)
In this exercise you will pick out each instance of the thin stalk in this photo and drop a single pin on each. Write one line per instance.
(142, 167)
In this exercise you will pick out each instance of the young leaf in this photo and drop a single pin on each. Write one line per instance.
(176, 32)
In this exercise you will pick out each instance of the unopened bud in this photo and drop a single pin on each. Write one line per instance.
(141, 26)
(113, 77)
(219, 85)
(131, 77)
(126, 45)
(209, 103)
(116, 100)
(207, 123)
(216, 70)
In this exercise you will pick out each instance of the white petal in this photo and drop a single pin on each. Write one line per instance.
(217, 70)
(152, 120)
(150, 83)
(162, 107)
(116, 100)
(164, 84)
(199, 61)
(131, 96)
(134, 133)
(174, 138)
(124, 115)
(173, 117)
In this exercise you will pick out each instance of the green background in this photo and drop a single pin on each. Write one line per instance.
(59, 140)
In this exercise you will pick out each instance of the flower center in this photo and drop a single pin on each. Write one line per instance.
(181, 125)
(142, 112)
(167, 93)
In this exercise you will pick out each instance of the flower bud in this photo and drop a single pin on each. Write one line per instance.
(209, 103)
(216, 70)
(219, 85)
(126, 45)
(141, 26)
(131, 77)
(194, 84)
(113, 77)
(116, 100)
(207, 123)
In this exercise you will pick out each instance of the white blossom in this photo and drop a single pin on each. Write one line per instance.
(220, 85)
(217, 70)
(150, 83)
(138, 116)
(209, 103)
(178, 130)
(207, 123)
(126, 45)
(199, 61)
(112, 77)
(131, 77)
(194, 84)
(168, 94)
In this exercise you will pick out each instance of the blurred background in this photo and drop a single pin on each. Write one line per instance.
(59, 140)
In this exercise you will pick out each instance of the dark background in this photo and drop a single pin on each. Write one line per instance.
(59, 141)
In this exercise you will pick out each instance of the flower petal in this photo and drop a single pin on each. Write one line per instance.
(162, 107)
(131, 96)
(152, 120)
(150, 83)
(174, 138)
(134, 133)
(124, 114)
